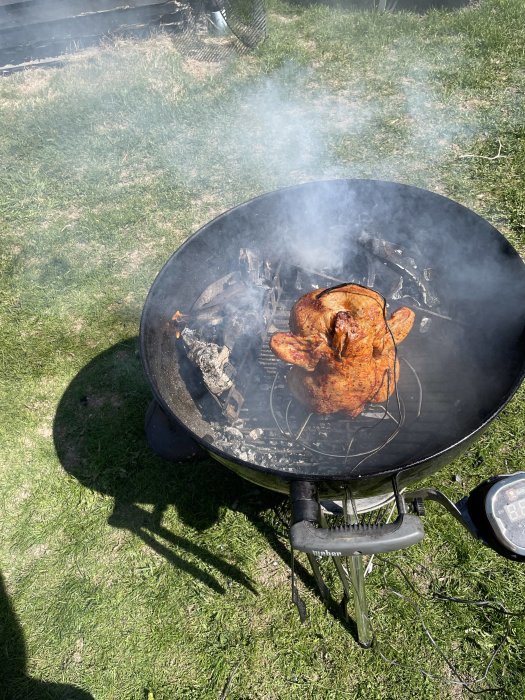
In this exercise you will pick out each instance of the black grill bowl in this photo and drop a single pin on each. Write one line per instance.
(455, 377)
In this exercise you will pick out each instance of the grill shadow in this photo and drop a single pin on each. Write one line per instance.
(100, 440)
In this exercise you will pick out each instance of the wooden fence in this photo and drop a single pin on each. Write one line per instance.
(36, 30)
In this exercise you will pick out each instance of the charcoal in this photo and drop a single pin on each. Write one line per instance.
(399, 259)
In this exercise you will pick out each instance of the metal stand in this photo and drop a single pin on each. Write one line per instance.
(345, 544)
(353, 579)
(357, 577)
(323, 588)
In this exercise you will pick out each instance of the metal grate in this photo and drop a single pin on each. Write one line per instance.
(266, 426)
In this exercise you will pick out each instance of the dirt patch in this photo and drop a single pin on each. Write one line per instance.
(474, 104)
(271, 571)
(74, 213)
(45, 430)
(77, 325)
(118, 538)
(201, 70)
(21, 495)
(37, 551)
(454, 688)
(75, 655)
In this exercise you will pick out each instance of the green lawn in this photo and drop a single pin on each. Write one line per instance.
(132, 578)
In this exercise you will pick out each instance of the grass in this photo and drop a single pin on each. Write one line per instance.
(125, 575)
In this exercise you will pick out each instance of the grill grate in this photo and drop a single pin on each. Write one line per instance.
(287, 437)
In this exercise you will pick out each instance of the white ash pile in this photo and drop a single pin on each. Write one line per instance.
(242, 444)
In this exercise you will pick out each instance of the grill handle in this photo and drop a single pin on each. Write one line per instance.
(346, 540)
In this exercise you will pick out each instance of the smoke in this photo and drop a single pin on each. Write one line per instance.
(240, 135)
(268, 133)
(288, 127)
(253, 133)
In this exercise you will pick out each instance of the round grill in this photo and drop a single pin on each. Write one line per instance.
(234, 282)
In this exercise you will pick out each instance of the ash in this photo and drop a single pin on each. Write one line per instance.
(251, 446)
(212, 360)
(233, 441)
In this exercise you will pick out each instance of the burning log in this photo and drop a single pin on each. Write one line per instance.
(226, 324)
(212, 360)
(232, 306)
(405, 264)
(210, 316)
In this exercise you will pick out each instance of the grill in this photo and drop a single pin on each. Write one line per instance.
(204, 344)
(459, 365)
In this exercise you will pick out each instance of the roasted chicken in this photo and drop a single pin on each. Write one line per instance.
(342, 348)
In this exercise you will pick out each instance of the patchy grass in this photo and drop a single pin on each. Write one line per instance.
(123, 574)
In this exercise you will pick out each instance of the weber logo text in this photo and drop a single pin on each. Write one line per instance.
(325, 553)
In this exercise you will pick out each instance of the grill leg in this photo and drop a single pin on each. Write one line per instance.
(357, 577)
(353, 580)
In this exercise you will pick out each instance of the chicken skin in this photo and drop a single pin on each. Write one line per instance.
(342, 348)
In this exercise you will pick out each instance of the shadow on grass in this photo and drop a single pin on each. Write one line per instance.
(100, 440)
(15, 684)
